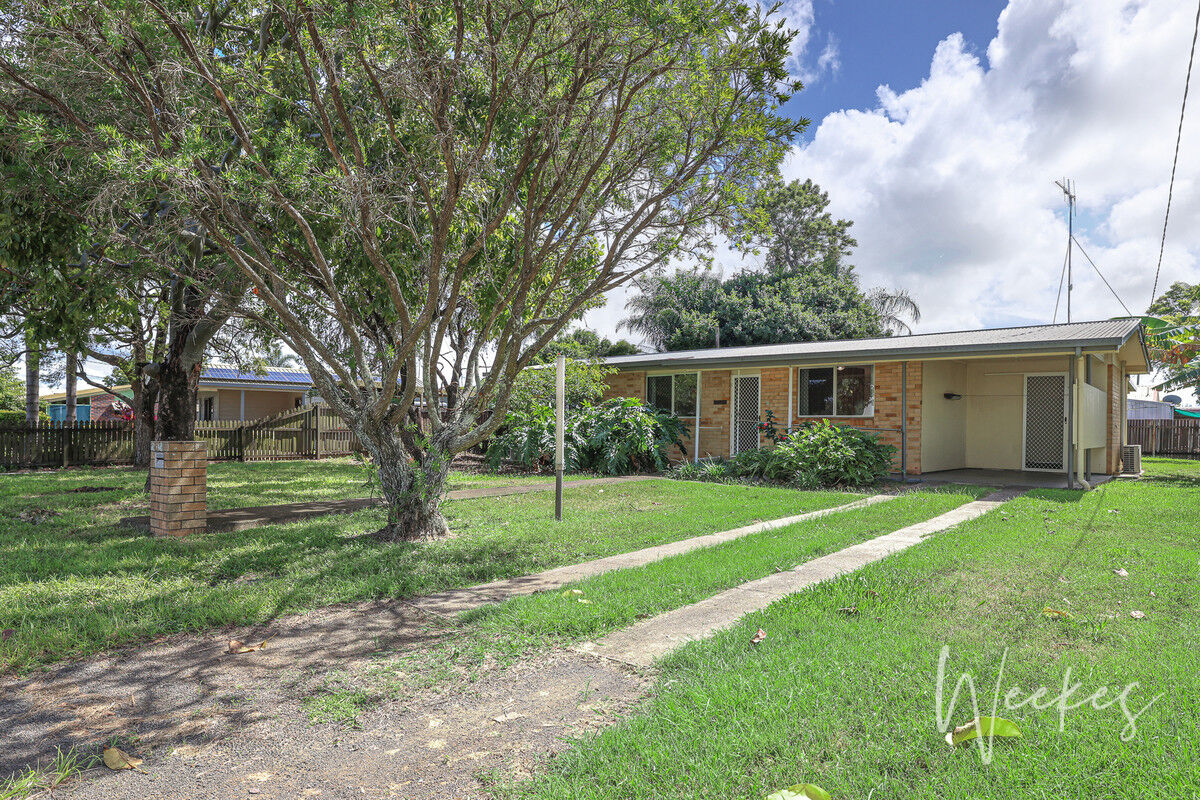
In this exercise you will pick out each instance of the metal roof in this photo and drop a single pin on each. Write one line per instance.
(224, 374)
(1102, 334)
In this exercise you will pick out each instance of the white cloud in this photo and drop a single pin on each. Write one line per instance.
(798, 15)
(950, 183)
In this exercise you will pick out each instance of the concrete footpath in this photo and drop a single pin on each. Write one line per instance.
(642, 644)
(240, 519)
(457, 600)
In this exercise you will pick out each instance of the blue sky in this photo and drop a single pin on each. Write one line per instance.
(885, 42)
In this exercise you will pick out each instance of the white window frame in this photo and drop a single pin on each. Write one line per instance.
(800, 387)
(672, 374)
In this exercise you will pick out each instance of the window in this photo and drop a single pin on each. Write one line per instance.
(836, 392)
(674, 393)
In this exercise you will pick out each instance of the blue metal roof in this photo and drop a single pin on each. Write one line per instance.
(284, 375)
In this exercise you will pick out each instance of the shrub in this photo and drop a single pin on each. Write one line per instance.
(18, 417)
(616, 437)
(820, 454)
(714, 471)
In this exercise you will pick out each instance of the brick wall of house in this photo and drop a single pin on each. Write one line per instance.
(888, 405)
(103, 408)
(626, 384)
(715, 400)
(1116, 392)
(715, 389)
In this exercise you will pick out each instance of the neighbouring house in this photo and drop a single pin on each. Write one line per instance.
(1149, 409)
(1002, 399)
(225, 393)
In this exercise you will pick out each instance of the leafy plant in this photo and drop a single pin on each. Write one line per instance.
(616, 437)
(820, 454)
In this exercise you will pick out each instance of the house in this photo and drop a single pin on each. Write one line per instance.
(1148, 409)
(225, 393)
(997, 399)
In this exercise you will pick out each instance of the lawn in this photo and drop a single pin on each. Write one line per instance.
(231, 484)
(847, 700)
(74, 584)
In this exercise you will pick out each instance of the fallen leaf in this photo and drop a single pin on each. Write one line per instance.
(1121, 572)
(116, 758)
(801, 791)
(1056, 612)
(1153, 594)
(509, 717)
(7, 634)
(583, 600)
(236, 646)
(983, 726)
(758, 637)
(1137, 614)
(851, 610)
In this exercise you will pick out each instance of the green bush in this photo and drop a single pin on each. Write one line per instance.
(18, 417)
(820, 454)
(712, 470)
(616, 437)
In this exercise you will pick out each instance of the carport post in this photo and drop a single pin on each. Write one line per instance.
(903, 421)
(560, 403)
(1072, 365)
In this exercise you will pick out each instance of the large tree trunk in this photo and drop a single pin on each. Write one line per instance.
(145, 398)
(33, 379)
(71, 381)
(178, 386)
(412, 488)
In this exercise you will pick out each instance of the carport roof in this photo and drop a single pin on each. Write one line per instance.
(1028, 340)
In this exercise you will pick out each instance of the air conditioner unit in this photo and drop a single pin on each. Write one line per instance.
(1131, 459)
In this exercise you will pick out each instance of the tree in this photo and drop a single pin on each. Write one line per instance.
(12, 391)
(583, 344)
(894, 308)
(684, 311)
(806, 290)
(412, 190)
(1173, 333)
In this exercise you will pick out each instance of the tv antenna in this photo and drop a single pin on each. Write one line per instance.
(1068, 187)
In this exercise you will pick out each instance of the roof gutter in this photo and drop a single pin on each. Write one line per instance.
(864, 357)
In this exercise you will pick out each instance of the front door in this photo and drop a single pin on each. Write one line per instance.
(745, 413)
(1046, 422)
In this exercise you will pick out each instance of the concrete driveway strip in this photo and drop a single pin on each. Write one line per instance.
(458, 600)
(644, 643)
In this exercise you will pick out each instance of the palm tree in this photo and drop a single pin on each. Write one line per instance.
(277, 358)
(895, 308)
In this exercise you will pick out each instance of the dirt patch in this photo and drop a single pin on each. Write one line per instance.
(86, 490)
(35, 515)
(430, 746)
(214, 724)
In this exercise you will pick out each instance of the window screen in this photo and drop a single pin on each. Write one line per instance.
(658, 392)
(815, 392)
(685, 394)
(855, 391)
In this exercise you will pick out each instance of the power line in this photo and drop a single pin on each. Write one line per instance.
(1101, 274)
(1178, 136)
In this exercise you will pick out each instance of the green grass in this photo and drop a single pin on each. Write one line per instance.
(231, 484)
(847, 701)
(75, 584)
(42, 780)
(503, 633)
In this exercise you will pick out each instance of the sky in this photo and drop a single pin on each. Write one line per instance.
(939, 129)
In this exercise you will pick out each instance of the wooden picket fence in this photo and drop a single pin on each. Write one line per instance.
(315, 432)
(1178, 437)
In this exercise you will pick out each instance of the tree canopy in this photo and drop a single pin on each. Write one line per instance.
(805, 291)
(419, 196)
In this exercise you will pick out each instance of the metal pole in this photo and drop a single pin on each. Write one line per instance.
(560, 391)
(1073, 362)
(903, 421)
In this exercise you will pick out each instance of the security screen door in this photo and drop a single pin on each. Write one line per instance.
(1045, 422)
(745, 413)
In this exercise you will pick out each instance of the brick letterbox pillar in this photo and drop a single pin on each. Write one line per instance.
(178, 487)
